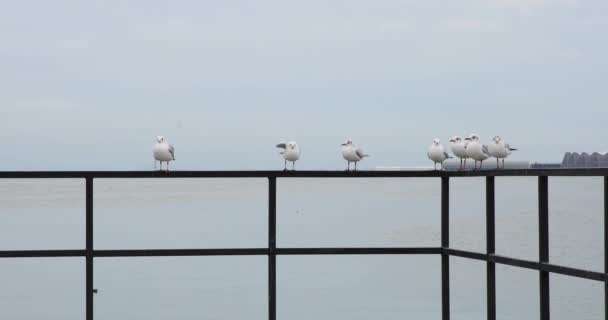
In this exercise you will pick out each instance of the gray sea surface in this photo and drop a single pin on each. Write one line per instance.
(219, 213)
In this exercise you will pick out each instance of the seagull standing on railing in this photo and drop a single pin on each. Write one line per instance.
(479, 152)
(163, 152)
(291, 152)
(352, 153)
(499, 150)
(459, 149)
(437, 153)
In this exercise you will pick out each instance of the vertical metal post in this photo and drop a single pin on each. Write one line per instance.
(490, 247)
(89, 248)
(445, 243)
(272, 245)
(606, 246)
(543, 244)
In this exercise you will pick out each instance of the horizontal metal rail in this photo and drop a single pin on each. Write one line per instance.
(42, 253)
(218, 252)
(589, 172)
(528, 264)
(118, 253)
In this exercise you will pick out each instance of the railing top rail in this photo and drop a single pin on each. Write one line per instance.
(583, 172)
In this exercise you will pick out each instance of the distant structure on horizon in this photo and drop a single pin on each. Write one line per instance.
(570, 160)
(585, 160)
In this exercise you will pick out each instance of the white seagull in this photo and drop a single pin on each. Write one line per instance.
(476, 150)
(499, 150)
(163, 152)
(291, 152)
(352, 153)
(459, 149)
(437, 153)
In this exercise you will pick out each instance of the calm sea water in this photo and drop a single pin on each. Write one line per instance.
(49, 214)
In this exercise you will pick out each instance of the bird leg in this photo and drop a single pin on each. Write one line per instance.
(442, 166)
(503, 163)
(285, 167)
(465, 164)
(293, 166)
(168, 165)
(348, 166)
(355, 166)
(497, 163)
(480, 164)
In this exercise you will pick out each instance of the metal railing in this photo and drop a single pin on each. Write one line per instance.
(542, 265)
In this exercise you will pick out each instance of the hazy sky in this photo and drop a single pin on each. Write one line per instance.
(88, 85)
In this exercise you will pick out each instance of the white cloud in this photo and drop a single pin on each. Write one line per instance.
(527, 6)
(569, 54)
(470, 24)
(173, 28)
(178, 25)
(41, 104)
(394, 26)
(595, 21)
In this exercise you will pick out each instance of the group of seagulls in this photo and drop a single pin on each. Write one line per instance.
(350, 152)
(291, 152)
(470, 148)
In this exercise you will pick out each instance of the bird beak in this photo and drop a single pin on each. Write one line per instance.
(343, 144)
(282, 145)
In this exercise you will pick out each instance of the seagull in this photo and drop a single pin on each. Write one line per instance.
(291, 153)
(476, 150)
(163, 152)
(437, 153)
(499, 150)
(459, 149)
(352, 153)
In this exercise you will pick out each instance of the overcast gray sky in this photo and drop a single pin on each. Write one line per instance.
(88, 85)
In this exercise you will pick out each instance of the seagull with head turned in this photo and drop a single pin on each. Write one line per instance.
(352, 153)
(459, 149)
(477, 151)
(499, 150)
(291, 152)
(163, 152)
(437, 153)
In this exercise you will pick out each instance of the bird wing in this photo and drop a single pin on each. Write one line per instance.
(282, 145)
(360, 153)
(447, 155)
(484, 149)
(509, 147)
(172, 151)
